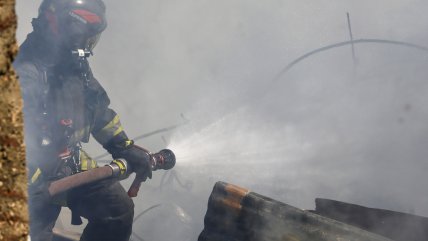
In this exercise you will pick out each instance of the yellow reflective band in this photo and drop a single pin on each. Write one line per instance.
(36, 175)
(84, 165)
(128, 142)
(121, 166)
(80, 134)
(111, 124)
(112, 129)
(119, 130)
(86, 162)
(93, 164)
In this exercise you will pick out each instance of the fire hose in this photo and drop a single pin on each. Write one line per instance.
(119, 168)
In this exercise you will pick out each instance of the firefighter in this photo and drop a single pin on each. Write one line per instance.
(63, 105)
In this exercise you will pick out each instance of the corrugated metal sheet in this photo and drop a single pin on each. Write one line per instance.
(236, 214)
(395, 225)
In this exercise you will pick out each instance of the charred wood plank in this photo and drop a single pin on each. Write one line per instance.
(236, 214)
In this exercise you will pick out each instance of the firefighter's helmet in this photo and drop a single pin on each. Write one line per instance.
(75, 24)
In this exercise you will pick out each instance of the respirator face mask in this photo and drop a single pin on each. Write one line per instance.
(81, 29)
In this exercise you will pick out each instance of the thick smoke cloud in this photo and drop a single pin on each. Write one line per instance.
(327, 128)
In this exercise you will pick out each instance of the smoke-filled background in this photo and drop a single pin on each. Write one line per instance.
(326, 128)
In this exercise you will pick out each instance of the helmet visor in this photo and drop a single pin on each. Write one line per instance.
(82, 29)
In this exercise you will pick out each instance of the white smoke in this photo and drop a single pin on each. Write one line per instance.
(325, 129)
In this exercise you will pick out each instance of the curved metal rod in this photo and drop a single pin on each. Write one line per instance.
(358, 41)
(147, 210)
(162, 182)
(151, 208)
(141, 214)
(137, 236)
(166, 129)
(173, 175)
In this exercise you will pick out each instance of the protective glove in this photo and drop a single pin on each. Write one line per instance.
(38, 194)
(138, 159)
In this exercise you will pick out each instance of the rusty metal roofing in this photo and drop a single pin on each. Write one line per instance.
(236, 214)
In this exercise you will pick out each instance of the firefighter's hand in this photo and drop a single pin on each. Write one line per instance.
(39, 193)
(138, 159)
